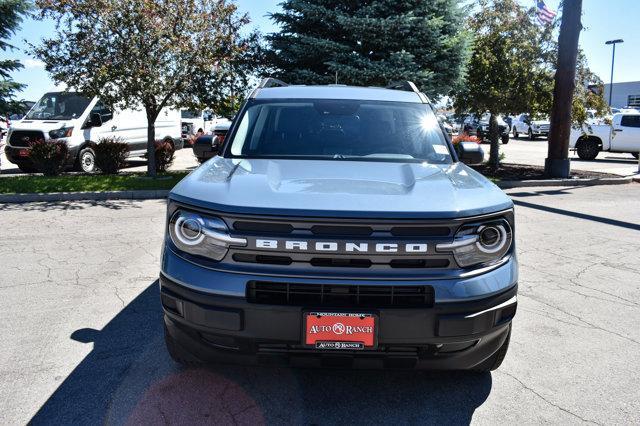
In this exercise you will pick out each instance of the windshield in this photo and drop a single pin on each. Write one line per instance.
(59, 106)
(340, 129)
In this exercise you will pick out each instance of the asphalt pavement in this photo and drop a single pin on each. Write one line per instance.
(82, 336)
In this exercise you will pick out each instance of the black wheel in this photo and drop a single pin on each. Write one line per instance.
(515, 132)
(531, 137)
(635, 154)
(494, 362)
(505, 139)
(86, 160)
(27, 167)
(588, 149)
(178, 353)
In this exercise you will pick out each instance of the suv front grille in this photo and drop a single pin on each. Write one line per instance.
(24, 137)
(330, 295)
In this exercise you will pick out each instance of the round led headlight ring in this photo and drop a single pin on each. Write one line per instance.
(189, 230)
(491, 238)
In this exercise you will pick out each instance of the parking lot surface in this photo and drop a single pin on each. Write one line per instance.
(82, 336)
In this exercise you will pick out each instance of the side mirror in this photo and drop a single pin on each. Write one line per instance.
(471, 153)
(96, 120)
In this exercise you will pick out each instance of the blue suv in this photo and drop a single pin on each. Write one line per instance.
(339, 227)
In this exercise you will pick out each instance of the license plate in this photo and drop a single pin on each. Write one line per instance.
(340, 330)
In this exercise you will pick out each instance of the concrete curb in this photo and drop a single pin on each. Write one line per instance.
(85, 196)
(506, 184)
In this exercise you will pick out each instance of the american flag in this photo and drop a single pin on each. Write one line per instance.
(543, 13)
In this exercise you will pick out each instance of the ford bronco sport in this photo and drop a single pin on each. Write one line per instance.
(339, 227)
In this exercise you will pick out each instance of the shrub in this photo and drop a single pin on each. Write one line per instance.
(164, 155)
(49, 157)
(111, 155)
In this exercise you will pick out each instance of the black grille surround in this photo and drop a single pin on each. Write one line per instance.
(23, 138)
(336, 296)
(340, 265)
(313, 231)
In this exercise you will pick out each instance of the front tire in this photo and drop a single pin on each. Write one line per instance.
(531, 137)
(588, 149)
(494, 362)
(505, 139)
(86, 160)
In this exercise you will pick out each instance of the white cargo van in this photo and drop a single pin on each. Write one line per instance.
(82, 122)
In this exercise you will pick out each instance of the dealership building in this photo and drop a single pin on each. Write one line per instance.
(624, 94)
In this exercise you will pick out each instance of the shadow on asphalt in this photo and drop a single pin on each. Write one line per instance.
(128, 378)
(71, 205)
(600, 219)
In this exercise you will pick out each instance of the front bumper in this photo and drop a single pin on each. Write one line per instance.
(458, 335)
(20, 155)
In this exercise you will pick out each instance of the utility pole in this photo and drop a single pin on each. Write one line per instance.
(613, 61)
(557, 162)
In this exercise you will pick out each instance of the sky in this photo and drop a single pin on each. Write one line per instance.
(602, 20)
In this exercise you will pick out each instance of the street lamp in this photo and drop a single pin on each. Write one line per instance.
(613, 59)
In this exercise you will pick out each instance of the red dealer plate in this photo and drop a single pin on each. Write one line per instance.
(340, 330)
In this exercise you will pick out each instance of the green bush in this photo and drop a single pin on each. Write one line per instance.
(111, 155)
(49, 157)
(164, 155)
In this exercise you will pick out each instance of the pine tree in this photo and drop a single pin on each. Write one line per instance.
(371, 43)
(11, 15)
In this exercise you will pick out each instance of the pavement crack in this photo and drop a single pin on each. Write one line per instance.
(542, 397)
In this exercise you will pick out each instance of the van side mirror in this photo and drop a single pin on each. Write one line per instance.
(471, 153)
(96, 120)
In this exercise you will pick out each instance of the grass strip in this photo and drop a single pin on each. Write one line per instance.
(35, 184)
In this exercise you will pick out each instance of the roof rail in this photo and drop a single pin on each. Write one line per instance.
(271, 82)
(406, 85)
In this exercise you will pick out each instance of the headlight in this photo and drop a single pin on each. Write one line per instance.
(480, 244)
(201, 235)
(64, 132)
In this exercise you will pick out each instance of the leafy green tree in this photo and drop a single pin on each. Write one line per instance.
(510, 70)
(371, 42)
(588, 94)
(11, 14)
(149, 53)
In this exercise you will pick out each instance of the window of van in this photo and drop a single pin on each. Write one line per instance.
(105, 113)
(59, 106)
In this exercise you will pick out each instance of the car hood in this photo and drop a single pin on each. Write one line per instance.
(43, 125)
(338, 188)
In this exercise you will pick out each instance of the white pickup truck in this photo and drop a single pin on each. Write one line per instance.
(622, 135)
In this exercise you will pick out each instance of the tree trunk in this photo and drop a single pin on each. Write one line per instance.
(557, 163)
(494, 137)
(151, 143)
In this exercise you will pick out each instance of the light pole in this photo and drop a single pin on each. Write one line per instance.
(613, 59)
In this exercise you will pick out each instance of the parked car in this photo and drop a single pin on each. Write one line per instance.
(479, 126)
(192, 121)
(622, 135)
(208, 146)
(446, 125)
(82, 121)
(339, 227)
(532, 127)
